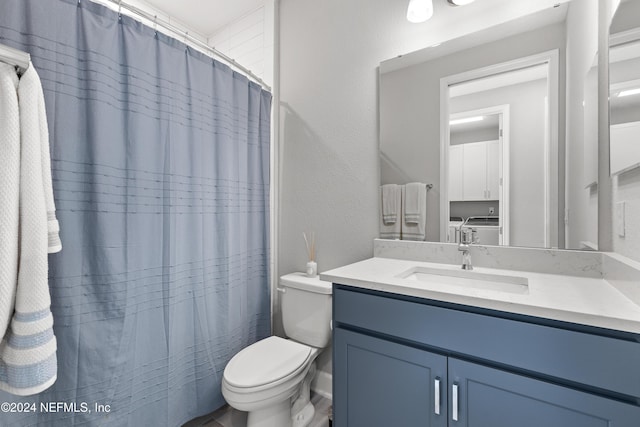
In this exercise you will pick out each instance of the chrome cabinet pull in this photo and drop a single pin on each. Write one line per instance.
(454, 403)
(436, 395)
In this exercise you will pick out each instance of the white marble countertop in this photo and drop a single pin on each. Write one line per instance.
(582, 300)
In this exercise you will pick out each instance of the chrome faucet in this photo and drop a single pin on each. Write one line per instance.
(467, 238)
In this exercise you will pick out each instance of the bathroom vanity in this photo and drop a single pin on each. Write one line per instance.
(408, 352)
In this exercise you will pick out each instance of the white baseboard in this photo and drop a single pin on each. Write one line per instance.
(323, 385)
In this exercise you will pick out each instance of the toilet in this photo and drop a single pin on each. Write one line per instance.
(271, 378)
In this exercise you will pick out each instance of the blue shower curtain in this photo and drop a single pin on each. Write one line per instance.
(160, 163)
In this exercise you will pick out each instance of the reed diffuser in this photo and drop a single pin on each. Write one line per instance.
(310, 242)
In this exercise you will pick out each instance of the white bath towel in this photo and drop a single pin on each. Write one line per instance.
(28, 363)
(390, 205)
(9, 191)
(414, 223)
(53, 228)
(415, 202)
(391, 230)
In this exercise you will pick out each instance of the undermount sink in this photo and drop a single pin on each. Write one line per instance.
(469, 279)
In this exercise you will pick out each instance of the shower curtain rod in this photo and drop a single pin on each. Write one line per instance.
(185, 34)
(14, 57)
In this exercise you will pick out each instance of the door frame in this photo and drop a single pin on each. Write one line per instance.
(551, 149)
(502, 111)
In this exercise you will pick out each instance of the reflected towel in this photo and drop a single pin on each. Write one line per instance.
(391, 230)
(414, 223)
(390, 205)
(415, 202)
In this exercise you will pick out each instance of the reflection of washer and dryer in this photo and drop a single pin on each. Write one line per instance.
(454, 227)
(487, 229)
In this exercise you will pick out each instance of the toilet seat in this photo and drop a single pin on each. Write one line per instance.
(266, 364)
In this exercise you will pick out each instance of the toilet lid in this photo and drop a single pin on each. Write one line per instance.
(265, 362)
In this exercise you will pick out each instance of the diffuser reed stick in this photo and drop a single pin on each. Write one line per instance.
(310, 243)
(311, 247)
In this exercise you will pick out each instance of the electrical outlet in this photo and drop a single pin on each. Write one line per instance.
(492, 210)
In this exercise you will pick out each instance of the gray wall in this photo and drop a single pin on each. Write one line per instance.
(410, 111)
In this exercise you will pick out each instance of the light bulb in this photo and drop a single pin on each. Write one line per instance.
(419, 10)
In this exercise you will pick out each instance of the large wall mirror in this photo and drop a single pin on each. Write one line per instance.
(497, 122)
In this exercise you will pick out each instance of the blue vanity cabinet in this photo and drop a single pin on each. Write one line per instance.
(382, 383)
(492, 369)
(496, 398)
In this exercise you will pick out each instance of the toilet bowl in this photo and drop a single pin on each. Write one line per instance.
(271, 378)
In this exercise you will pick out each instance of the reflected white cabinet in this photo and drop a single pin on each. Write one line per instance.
(625, 150)
(474, 171)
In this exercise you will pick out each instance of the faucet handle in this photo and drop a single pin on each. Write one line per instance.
(468, 236)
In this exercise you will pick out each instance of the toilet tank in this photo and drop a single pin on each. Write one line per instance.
(306, 309)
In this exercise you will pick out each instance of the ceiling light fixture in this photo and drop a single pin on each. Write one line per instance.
(419, 11)
(467, 120)
(629, 92)
(459, 2)
(422, 10)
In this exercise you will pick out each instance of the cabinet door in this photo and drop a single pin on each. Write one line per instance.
(475, 171)
(493, 170)
(491, 397)
(456, 171)
(379, 383)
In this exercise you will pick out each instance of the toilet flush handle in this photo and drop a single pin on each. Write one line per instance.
(283, 290)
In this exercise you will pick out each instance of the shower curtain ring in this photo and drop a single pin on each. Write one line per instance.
(119, 9)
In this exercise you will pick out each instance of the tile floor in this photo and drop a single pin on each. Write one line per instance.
(229, 417)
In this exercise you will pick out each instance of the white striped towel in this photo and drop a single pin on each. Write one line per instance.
(390, 207)
(9, 191)
(415, 202)
(53, 228)
(28, 363)
(414, 226)
(392, 230)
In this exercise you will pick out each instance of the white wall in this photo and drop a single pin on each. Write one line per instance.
(249, 40)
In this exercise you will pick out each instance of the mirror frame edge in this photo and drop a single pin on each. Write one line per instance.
(605, 193)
